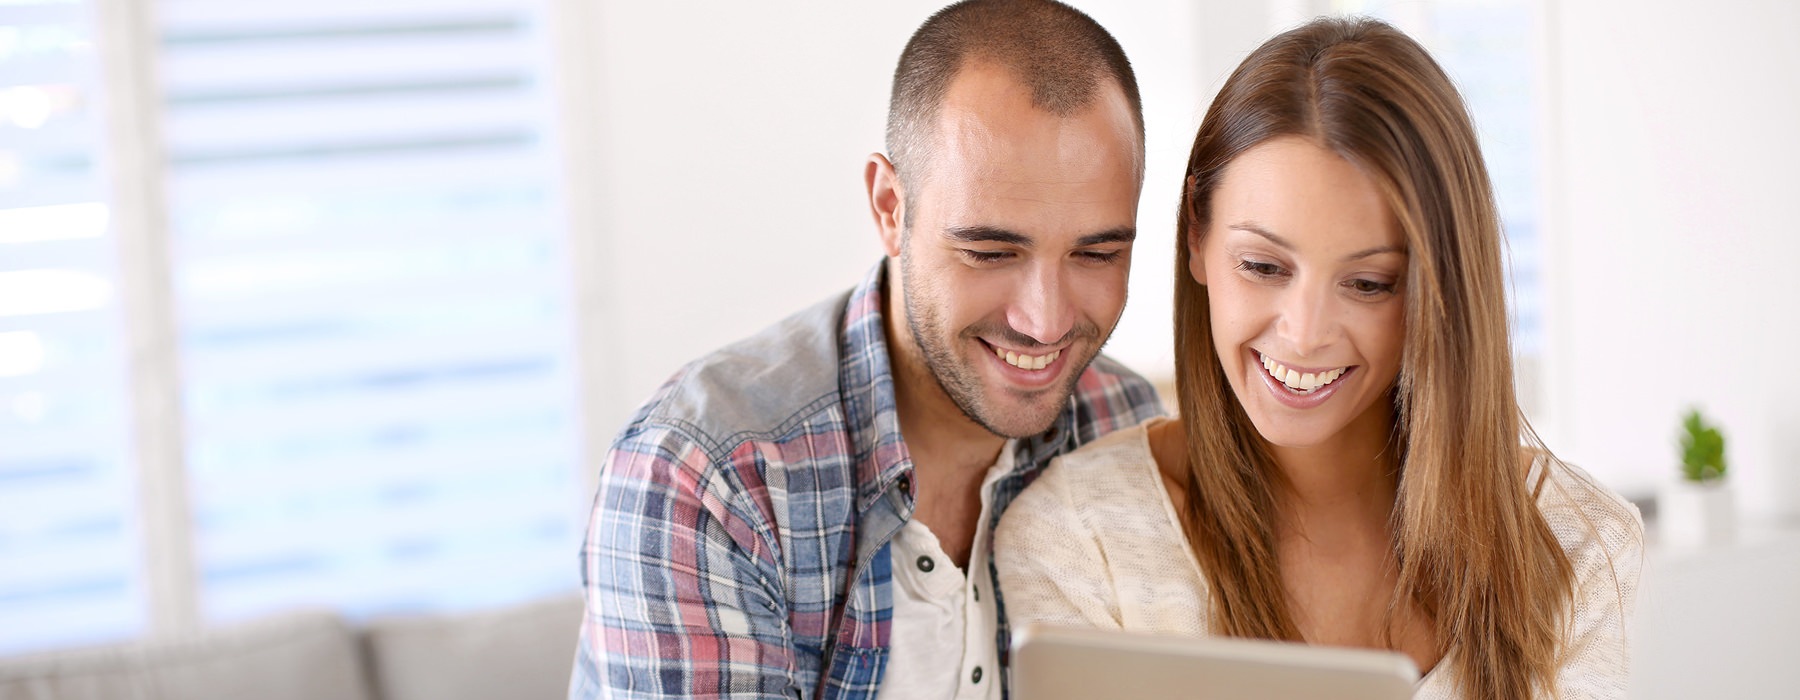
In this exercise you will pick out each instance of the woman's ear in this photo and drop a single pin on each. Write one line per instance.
(1196, 258)
(1195, 233)
(887, 201)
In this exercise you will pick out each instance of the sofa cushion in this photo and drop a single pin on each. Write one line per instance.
(523, 652)
(305, 656)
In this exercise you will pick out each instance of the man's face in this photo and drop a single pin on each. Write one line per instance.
(1017, 247)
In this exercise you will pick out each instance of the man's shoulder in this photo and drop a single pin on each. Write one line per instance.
(1107, 369)
(762, 385)
(1109, 397)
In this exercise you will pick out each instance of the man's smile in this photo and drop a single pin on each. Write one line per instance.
(1024, 361)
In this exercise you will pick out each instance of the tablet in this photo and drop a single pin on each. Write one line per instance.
(1056, 663)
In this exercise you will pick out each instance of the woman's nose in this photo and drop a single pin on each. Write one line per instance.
(1308, 321)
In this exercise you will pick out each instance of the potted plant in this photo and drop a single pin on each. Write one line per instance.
(1697, 509)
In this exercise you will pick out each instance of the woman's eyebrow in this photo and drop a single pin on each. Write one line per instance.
(1378, 250)
(1258, 229)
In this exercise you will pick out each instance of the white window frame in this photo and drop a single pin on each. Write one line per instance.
(125, 35)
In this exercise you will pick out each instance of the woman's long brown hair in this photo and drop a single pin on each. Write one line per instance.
(1472, 550)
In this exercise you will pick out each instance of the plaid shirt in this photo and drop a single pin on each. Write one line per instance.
(739, 539)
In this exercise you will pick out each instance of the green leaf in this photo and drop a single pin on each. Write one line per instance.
(1702, 449)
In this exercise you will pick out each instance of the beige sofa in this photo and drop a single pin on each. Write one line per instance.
(521, 652)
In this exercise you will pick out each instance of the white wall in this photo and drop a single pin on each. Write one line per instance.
(733, 140)
(1675, 238)
(1719, 623)
(734, 137)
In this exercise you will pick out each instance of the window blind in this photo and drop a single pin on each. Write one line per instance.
(69, 547)
(375, 315)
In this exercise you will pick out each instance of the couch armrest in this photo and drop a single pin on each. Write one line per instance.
(305, 656)
(523, 652)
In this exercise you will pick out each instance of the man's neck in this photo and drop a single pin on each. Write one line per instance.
(936, 430)
(938, 433)
(950, 452)
(950, 456)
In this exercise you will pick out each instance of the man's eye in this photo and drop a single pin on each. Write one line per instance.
(1101, 256)
(985, 256)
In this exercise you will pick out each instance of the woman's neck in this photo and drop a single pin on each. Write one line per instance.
(1352, 477)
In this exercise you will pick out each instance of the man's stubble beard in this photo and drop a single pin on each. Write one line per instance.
(962, 383)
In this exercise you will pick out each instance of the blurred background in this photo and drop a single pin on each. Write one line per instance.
(336, 304)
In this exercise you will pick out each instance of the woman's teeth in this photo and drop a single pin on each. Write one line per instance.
(1026, 361)
(1303, 383)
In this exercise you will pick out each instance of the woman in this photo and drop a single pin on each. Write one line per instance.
(1350, 467)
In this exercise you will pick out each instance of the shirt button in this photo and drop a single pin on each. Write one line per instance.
(905, 486)
(926, 564)
(976, 676)
(977, 590)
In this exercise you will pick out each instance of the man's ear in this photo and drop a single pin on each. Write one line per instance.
(887, 201)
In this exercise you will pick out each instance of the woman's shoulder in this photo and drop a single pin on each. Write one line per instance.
(1126, 445)
(1120, 464)
(1592, 523)
(1093, 541)
(1114, 472)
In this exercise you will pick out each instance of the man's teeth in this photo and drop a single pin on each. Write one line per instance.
(1026, 361)
(1303, 383)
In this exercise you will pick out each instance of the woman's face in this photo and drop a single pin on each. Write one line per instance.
(1303, 262)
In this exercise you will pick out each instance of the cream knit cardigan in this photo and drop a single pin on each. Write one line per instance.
(1095, 542)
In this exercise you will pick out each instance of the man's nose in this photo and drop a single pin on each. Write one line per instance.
(1044, 308)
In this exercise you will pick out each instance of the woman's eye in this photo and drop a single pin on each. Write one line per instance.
(1370, 287)
(1260, 269)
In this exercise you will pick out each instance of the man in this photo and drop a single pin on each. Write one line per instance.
(807, 513)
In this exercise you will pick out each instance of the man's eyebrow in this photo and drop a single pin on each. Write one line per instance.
(1253, 227)
(1118, 235)
(987, 234)
(992, 234)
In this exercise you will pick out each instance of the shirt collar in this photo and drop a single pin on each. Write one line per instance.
(867, 383)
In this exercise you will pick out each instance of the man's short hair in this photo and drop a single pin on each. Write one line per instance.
(1063, 56)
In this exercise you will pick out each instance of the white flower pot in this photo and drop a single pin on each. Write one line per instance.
(1696, 514)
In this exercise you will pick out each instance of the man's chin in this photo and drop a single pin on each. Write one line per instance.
(1006, 408)
(1015, 421)
(1025, 413)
